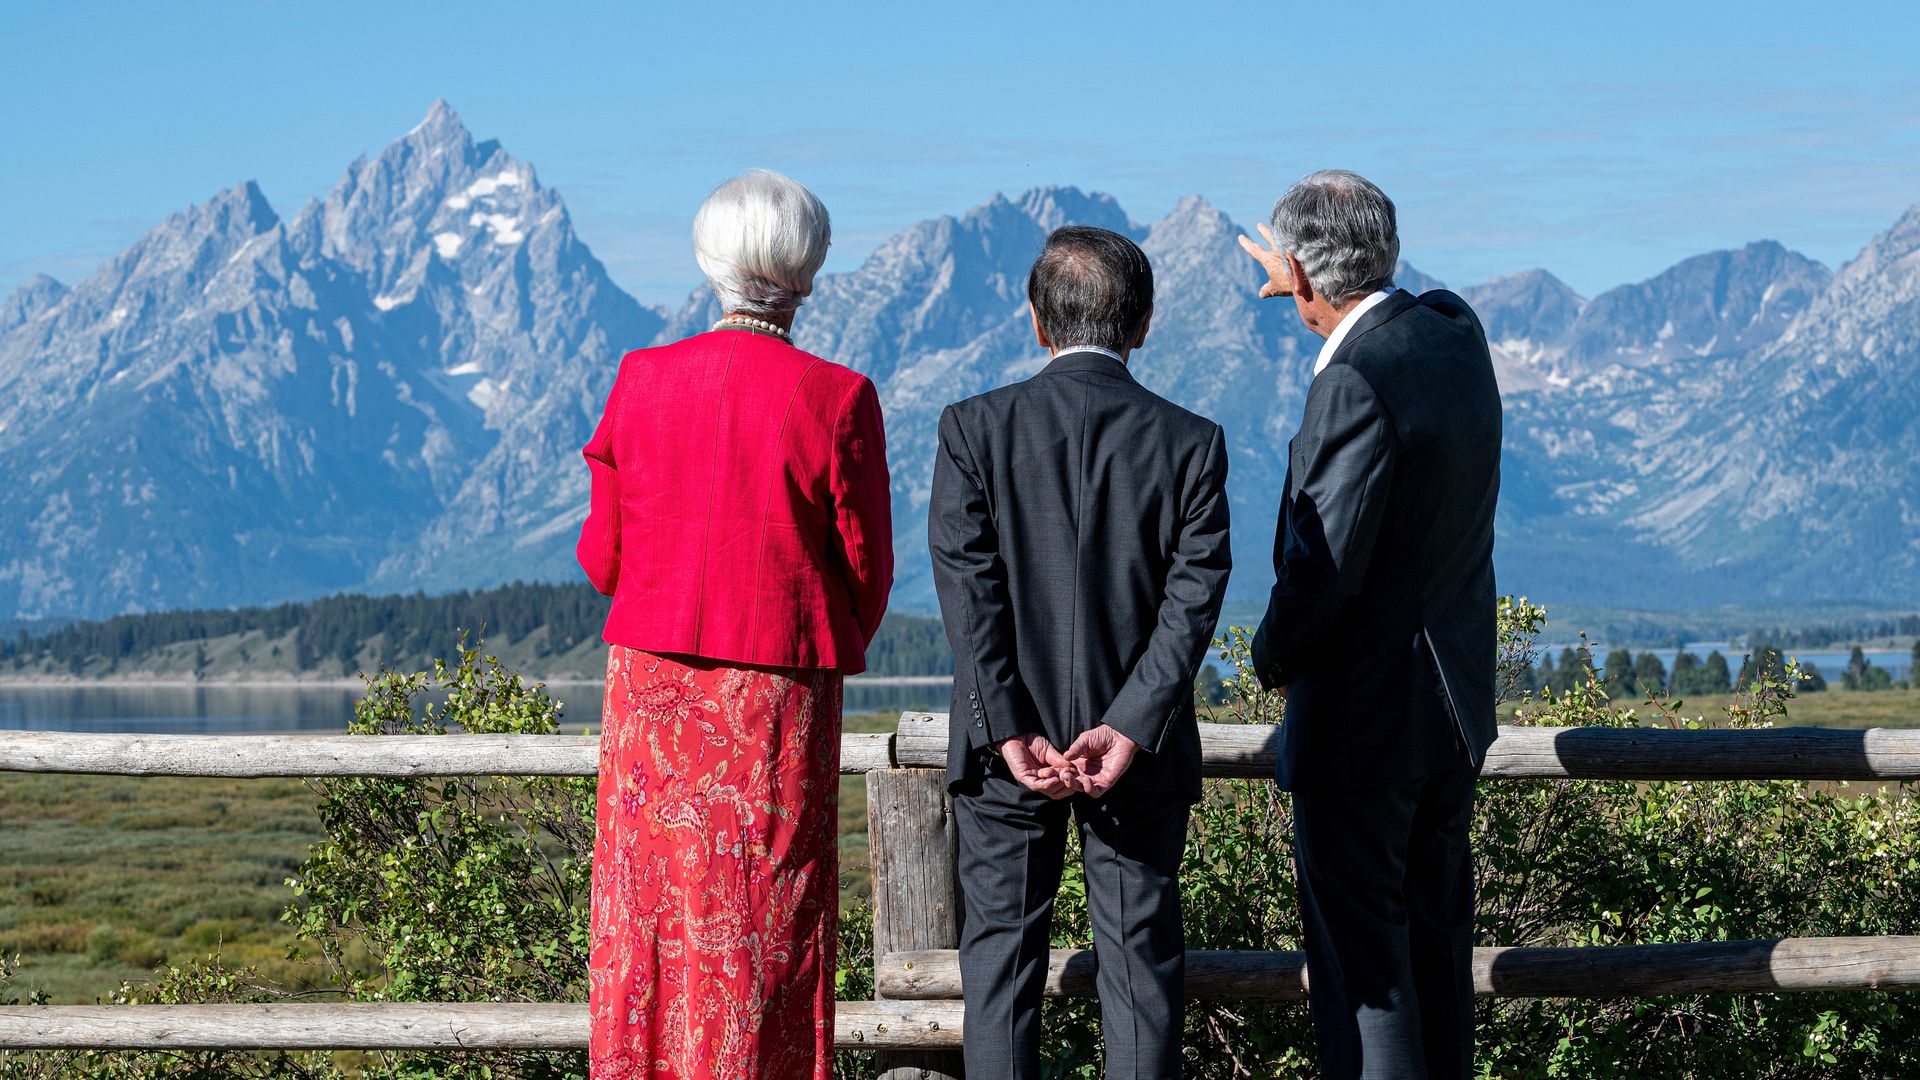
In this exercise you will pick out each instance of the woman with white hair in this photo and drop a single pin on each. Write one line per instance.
(740, 521)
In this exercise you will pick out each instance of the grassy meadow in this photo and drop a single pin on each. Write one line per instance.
(1829, 708)
(105, 878)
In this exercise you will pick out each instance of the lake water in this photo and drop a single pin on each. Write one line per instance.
(234, 710)
(239, 710)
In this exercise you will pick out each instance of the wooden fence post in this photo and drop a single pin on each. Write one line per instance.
(916, 892)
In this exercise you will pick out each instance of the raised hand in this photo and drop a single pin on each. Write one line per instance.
(1100, 757)
(1273, 261)
(1035, 763)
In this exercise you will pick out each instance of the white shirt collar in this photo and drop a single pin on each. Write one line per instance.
(1057, 353)
(1332, 344)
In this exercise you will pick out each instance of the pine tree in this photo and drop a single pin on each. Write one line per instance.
(1688, 675)
(1855, 675)
(1568, 671)
(1649, 674)
(1619, 673)
(1717, 680)
(1762, 660)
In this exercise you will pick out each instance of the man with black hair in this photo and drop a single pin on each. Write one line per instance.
(1078, 526)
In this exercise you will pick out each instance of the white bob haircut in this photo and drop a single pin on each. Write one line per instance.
(760, 238)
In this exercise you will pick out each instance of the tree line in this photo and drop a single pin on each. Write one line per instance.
(1630, 675)
(408, 630)
(1827, 634)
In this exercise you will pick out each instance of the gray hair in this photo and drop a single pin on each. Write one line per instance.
(1341, 229)
(760, 238)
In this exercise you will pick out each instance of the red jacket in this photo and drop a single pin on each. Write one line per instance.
(740, 505)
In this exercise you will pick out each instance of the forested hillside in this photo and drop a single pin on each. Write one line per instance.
(552, 631)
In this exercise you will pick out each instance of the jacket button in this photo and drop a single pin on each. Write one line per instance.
(974, 694)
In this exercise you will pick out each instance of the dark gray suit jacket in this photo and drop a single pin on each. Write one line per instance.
(1382, 613)
(1079, 535)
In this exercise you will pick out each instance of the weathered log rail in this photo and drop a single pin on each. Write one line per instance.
(1601, 971)
(915, 1020)
(1227, 750)
(485, 1025)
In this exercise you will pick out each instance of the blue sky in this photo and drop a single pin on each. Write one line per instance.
(1602, 141)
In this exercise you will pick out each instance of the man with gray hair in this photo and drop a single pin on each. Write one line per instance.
(1078, 527)
(1380, 631)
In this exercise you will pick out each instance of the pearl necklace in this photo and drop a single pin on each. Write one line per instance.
(748, 322)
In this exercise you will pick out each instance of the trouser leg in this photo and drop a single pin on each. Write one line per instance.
(1011, 843)
(1439, 893)
(1133, 900)
(1350, 855)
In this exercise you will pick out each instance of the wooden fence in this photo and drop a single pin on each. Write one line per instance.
(915, 1020)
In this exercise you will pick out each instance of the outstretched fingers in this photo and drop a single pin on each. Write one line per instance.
(1279, 276)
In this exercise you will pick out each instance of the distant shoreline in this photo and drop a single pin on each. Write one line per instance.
(54, 682)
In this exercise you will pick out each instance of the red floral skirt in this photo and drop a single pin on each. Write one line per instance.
(715, 871)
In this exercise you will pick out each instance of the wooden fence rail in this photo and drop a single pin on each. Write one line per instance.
(915, 1020)
(1743, 967)
(1228, 750)
(489, 1025)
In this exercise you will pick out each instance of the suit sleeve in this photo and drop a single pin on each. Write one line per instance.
(599, 546)
(970, 577)
(1161, 681)
(1339, 479)
(863, 514)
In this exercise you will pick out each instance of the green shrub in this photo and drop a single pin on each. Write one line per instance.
(108, 944)
(454, 889)
(476, 889)
(207, 982)
(1577, 863)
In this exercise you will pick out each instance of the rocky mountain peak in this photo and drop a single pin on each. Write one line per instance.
(1719, 303)
(433, 192)
(1194, 216)
(1891, 258)
(1527, 309)
(40, 293)
(390, 391)
(243, 206)
(1052, 207)
(1870, 313)
(441, 123)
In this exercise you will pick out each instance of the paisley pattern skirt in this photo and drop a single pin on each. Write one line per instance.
(715, 871)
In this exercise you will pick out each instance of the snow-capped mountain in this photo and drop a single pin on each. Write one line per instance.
(390, 390)
(1722, 303)
(243, 409)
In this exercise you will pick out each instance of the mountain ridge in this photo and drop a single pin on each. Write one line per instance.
(390, 388)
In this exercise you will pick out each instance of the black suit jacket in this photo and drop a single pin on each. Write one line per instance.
(1079, 535)
(1382, 615)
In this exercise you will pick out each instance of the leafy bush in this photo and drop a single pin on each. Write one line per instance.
(207, 982)
(476, 889)
(107, 944)
(1577, 863)
(454, 889)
